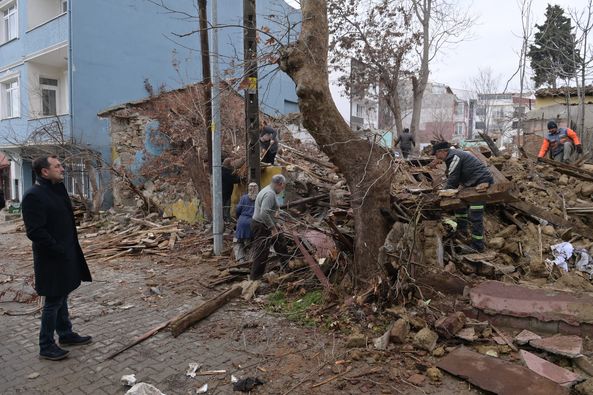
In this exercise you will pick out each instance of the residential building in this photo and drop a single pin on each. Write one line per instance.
(61, 62)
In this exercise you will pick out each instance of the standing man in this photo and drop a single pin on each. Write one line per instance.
(245, 210)
(229, 179)
(58, 260)
(407, 141)
(268, 140)
(264, 227)
(562, 142)
(465, 169)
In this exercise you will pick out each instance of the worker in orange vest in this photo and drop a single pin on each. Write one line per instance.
(562, 143)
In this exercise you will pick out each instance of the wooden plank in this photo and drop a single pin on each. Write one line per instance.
(546, 215)
(496, 193)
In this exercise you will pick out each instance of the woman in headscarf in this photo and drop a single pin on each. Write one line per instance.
(245, 210)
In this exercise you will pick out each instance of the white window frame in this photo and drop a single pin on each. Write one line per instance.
(55, 88)
(459, 129)
(15, 110)
(9, 11)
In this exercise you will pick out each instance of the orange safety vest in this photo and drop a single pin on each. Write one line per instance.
(556, 141)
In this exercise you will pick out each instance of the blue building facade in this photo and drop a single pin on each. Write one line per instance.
(62, 62)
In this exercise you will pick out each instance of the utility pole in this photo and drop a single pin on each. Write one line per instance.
(217, 224)
(206, 76)
(251, 96)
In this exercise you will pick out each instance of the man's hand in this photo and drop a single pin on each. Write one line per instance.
(579, 148)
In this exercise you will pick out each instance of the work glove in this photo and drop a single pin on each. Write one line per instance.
(579, 148)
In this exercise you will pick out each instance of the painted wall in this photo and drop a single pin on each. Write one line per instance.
(541, 102)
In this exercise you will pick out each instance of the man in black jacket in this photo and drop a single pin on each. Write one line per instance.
(58, 260)
(407, 141)
(465, 169)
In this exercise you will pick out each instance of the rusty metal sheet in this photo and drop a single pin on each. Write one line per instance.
(497, 376)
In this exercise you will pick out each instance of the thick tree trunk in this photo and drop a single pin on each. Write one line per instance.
(419, 83)
(365, 167)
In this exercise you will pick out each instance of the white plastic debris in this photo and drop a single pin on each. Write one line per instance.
(193, 368)
(584, 262)
(202, 390)
(128, 380)
(234, 379)
(144, 389)
(562, 253)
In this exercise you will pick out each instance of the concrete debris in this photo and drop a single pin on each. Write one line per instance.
(525, 336)
(382, 342)
(467, 334)
(128, 380)
(497, 376)
(426, 339)
(567, 346)
(438, 352)
(549, 370)
(448, 326)
(545, 305)
(585, 388)
(144, 389)
(434, 374)
(192, 369)
(356, 341)
(491, 351)
(400, 331)
(417, 379)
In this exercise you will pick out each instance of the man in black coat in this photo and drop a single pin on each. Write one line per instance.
(465, 169)
(58, 260)
(268, 139)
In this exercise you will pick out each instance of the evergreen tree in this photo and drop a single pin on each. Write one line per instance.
(553, 54)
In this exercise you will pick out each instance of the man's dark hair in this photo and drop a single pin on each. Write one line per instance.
(42, 163)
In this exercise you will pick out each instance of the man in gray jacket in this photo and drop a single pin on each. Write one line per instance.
(465, 169)
(264, 227)
(405, 141)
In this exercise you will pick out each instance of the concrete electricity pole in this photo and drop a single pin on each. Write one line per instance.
(251, 96)
(217, 223)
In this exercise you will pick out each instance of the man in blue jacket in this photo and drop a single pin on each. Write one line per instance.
(464, 169)
(58, 260)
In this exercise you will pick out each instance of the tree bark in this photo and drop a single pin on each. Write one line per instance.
(419, 83)
(366, 167)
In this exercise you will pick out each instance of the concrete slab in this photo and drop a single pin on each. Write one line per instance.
(494, 297)
(567, 346)
(497, 376)
(549, 370)
(525, 337)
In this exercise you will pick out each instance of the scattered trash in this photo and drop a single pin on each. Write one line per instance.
(144, 389)
(562, 253)
(211, 372)
(247, 384)
(155, 290)
(33, 375)
(382, 342)
(203, 389)
(234, 379)
(128, 380)
(193, 368)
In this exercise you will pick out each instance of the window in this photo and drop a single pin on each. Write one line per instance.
(10, 99)
(459, 129)
(359, 110)
(49, 96)
(459, 109)
(10, 26)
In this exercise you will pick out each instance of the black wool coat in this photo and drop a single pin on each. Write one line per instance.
(59, 263)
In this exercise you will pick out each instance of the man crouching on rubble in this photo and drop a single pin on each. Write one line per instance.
(465, 169)
(264, 229)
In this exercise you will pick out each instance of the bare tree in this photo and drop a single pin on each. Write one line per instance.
(486, 85)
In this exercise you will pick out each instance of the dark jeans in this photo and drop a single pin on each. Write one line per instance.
(226, 208)
(54, 318)
(406, 153)
(262, 241)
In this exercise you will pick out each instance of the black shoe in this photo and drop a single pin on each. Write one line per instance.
(54, 353)
(75, 340)
(478, 246)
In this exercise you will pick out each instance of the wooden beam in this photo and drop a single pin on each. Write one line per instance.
(545, 214)
(496, 193)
